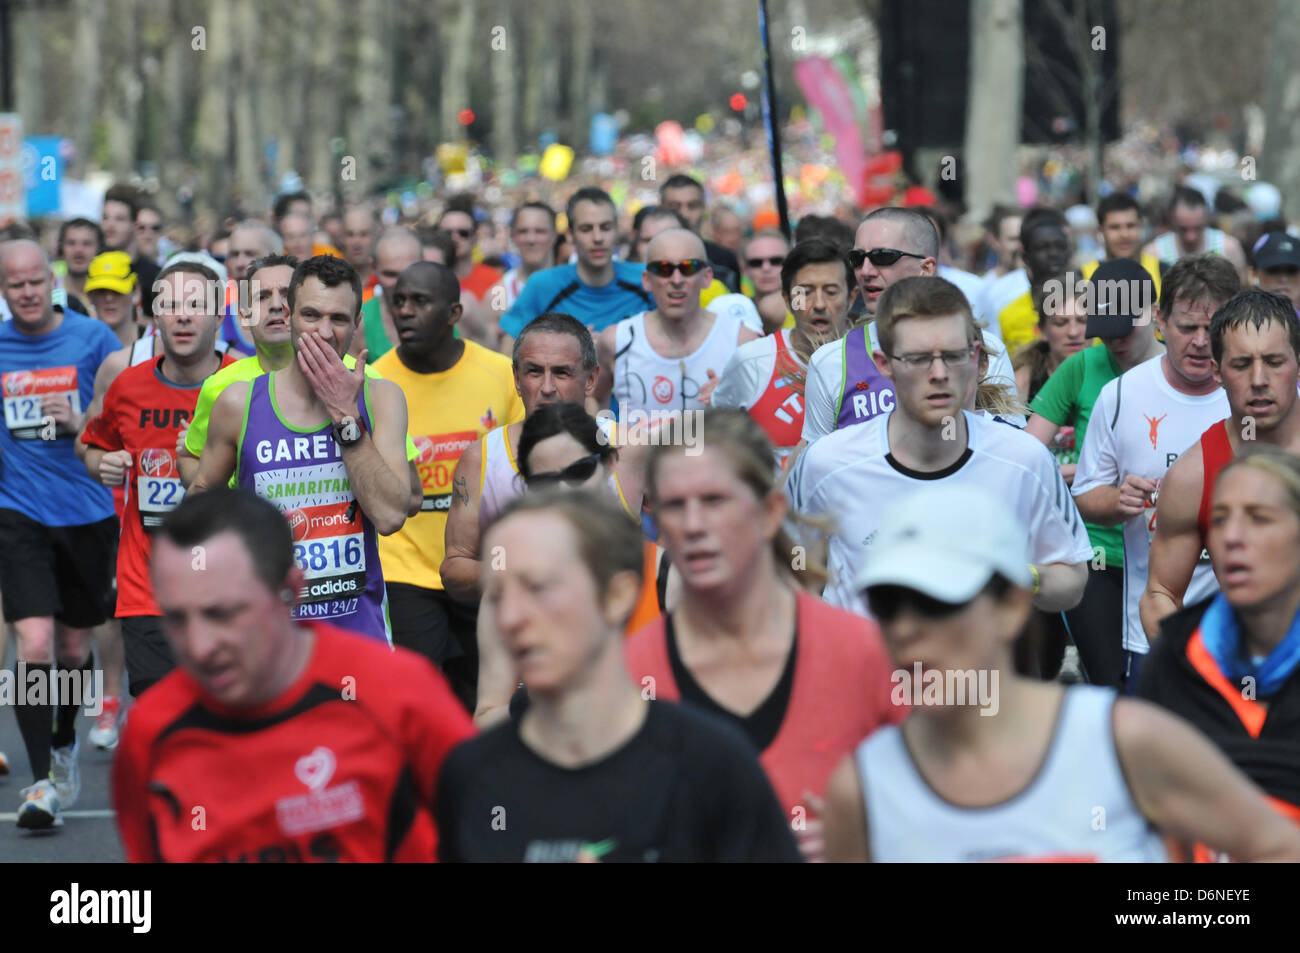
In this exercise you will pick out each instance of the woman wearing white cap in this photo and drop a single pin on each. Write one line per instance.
(992, 766)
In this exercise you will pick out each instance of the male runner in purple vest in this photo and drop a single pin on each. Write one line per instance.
(326, 446)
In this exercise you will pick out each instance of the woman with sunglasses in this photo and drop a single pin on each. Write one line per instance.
(562, 446)
(592, 771)
(991, 765)
(1229, 664)
(748, 642)
(658, 360)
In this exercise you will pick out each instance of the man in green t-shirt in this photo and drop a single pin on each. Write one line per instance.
(1119, 312)
(266, 319)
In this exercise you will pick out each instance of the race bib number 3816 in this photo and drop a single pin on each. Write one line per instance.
(23, 392)
(329, 547)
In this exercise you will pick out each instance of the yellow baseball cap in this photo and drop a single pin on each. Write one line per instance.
(111, 271)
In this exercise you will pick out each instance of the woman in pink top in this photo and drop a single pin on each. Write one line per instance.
(746, 641)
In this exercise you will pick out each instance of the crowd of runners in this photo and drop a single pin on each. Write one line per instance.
(619, 542)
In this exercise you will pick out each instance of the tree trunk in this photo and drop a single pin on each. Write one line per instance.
(249, 192)
(580, 15)
(455, 75)
(994, 104)
(212, 136)
(1280, 162)
(505, 74)
(322, 117)
(539, 51)
(369, 128)
(89, 16)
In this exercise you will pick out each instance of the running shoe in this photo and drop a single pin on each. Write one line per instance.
(104, 735)
(40, 809)
(65, 772)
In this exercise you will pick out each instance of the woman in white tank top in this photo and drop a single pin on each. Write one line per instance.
(991, 766)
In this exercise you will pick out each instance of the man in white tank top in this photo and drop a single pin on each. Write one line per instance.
(554, 361)
(658, 360)
(1189, 234)
(993, 766)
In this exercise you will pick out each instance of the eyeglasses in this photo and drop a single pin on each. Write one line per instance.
(918, 362)
(776, 261)
(142, 227)
(575, 474)
(880, 257)
(461, 232)
(665, 269)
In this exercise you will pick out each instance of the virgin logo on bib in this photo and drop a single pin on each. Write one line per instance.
(23, 391)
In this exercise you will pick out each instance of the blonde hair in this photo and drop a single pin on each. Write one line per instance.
(736, 435)
(1275, 461)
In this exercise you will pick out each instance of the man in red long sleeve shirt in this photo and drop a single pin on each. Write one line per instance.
(273, 741)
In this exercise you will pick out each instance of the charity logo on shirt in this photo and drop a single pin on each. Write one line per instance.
(321, 807)
(662, 389)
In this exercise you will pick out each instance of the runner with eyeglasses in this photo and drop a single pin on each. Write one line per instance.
(929, 350)
(844, 385)
(999, 767)
(660, 359)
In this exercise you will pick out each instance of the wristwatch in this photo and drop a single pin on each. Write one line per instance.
(348, 433)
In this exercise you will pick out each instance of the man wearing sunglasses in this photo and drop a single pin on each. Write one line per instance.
(598, 290)
(475, 277)
(844, 386)
(659, 359)
(929, 351)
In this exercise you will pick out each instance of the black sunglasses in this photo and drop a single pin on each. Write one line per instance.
(776, 261)
(462, 232)
(575, 474)
(665, 269)
(880, 257)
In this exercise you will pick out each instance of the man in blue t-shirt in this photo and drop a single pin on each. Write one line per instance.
(598, 290)
(57, 524)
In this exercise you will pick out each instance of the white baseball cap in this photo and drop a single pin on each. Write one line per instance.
(947, 543)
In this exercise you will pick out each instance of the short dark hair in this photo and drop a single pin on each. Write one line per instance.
(650, 213)
(1000, 213)
(919, 297)
(937, 218)
(1116, 202)
(1257, 308)
(269, 261)
(431, 237)
(329, 271)
(1037, 218)
(214, 291)
(588, 194)
(460, 202)
(1187, 197)
(1198, 277)
(827, 228)
(539, 206)
(282, 202)
(556, 322)
(550, 420)
(680, 181)
(124, 195)
(815, 251)
(17, 231)
(446, 286)
(72, 223)
(259, 525)
(146, 206)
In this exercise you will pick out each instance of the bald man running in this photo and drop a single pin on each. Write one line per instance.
(396, 250)
(659, 360)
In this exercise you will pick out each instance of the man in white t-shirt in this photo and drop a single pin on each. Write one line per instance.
(766, 377)
(658, 360)
(930, 352)
(844, 386)
(1143, 420)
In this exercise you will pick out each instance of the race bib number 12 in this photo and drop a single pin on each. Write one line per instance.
(23, 392)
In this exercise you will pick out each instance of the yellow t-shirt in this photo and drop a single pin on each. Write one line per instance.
(1018, 322)
(448, 412)
(1150, 262)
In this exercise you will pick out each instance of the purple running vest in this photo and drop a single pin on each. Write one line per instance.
(867, 392)
(302, 473)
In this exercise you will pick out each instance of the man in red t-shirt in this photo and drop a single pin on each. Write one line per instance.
(132, 442)
(344, 738)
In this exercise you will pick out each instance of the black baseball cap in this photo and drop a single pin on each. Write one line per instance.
(1122, 291)
(1277, 250)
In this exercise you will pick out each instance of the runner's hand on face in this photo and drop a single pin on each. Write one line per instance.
(59, 409)
(335, 386)
(1134, 493)
(113, 467)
